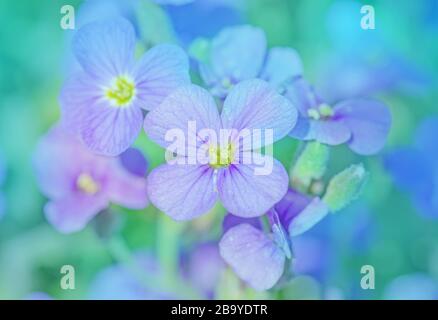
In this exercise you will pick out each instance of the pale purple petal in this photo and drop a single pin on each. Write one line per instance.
(57, 161)
(74, 211)
(110, 130)
(369, 122)
(237, 53)
(182, 191)
(314, 212)
(246, 194)
(160, 71)
(126, 189)
(254, 104)
(302, 95)
(332, 132)
(282, 64)
(188, 104)
(253, 256)
(105, 48)
(78, 93)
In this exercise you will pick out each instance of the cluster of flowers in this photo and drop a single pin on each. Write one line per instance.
(106, 104)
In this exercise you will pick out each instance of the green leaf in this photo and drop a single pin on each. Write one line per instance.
(345, 187)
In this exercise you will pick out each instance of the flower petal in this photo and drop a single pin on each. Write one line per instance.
(186, 104)
(237, 53)
(183, 192)
(78, 93)
(52, 162)
(282, 64)
(231, 220)
(331, 132)
(253, 256)
(254, 104)
(126, 189)
(302, 95)
(105, 48)
(369, 122)
(314, 212)
(109, 130)
(159, 72)
(73, 212)
(134, 162)
(246, 194)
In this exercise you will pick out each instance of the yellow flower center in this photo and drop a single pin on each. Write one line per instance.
(87, 184)
(323, 111)
(121, 92)
(221, 157)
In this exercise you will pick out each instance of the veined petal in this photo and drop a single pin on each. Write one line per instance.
(188, 109)
(247, 194)
(183, 192)
(302, 95)
(237, 53)
(369, 122)
(73, 212)
(331, 132)
(282, 64)
(110, 130)
(105, 48)
(255, 105)
(160, 71)
(253, 256)
(78, 93)
(126, 189)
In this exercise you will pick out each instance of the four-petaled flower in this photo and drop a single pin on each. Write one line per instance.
(186, 191)
(361, 123)
(103, 103)
(240, 53)
(259, 257)
(80, 184)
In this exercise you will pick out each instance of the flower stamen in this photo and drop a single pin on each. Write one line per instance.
(121, 92)
(87, 184)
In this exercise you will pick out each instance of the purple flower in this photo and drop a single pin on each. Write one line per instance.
(361, 123)
(79, 183)
(259, 257)
(103, 103)
(240, 53)
(186, 191)
(414, 168)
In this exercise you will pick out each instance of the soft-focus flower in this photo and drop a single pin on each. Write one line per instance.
(361, 123)
(414, 286)
(203, 266)
(202, 18)
(103, 103)
(415, 168)
(79, 183)
(186, 191)
(259, 257)
(125, 282)
(240, 53)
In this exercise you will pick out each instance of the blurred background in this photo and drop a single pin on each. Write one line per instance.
(386, 228)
